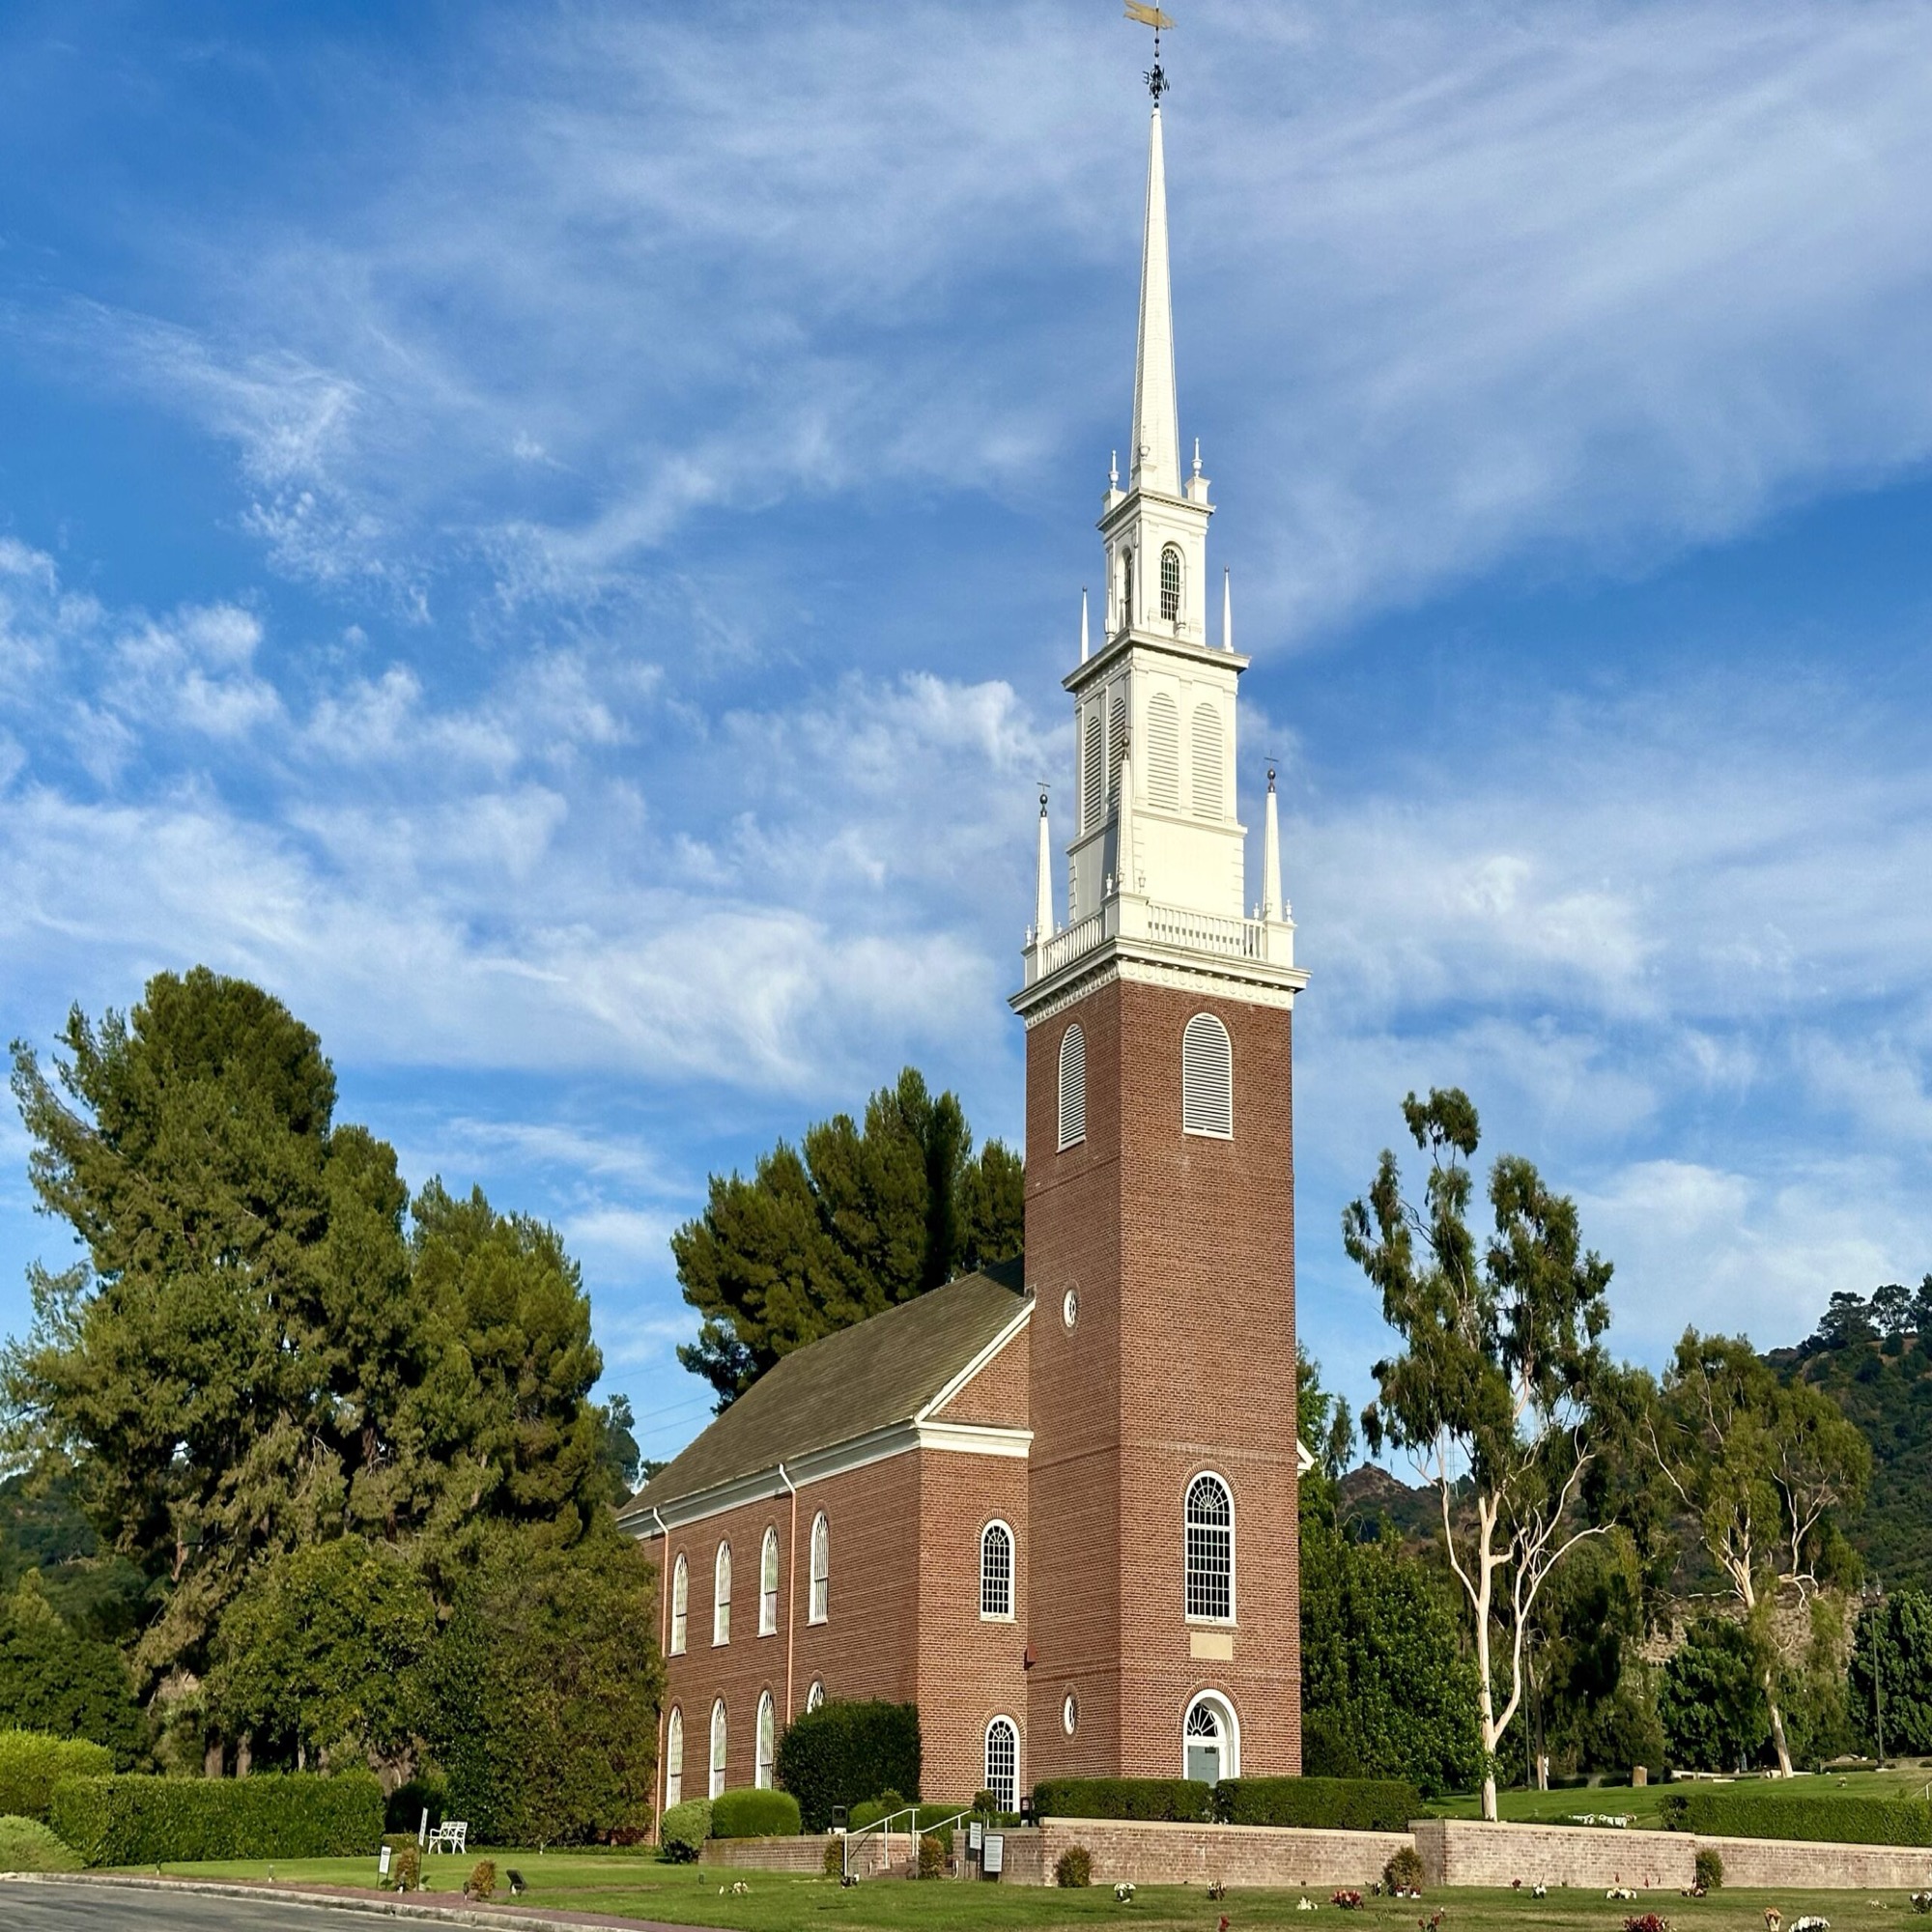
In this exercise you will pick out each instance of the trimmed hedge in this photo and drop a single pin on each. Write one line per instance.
(1824, 1818)
(146, 1821)
(26, 1845)
(845, 1753)
(930, 1816)
(1323, 1804)
(32, 1763)
(749, 1812)
(683, 1830)
(1161, 1801)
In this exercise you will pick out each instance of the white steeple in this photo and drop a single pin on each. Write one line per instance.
(1084, 653)
(1155, 459)
(1227, 609)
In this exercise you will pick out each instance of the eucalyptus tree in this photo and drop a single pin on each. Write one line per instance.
(1495, 1393)
(1763, 1467)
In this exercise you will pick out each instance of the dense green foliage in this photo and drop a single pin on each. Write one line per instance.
(404, 1807)
(1324, 1803)
(1166, 1800)
(53, 1678)
(875, 1808)
(1892, 1671)
(844, 1753)
(1074, 1869)
(541, 1697)
(149, 1821)
(751, 1813)
(1766, 1812)
(850, 1222)
(1711, 1702)
(1874, 1359)
(683, 1830)
(32, 1763)
(26, 1845)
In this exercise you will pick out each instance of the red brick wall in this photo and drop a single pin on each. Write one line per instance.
(1000, 1394)
(1181, 1252)
(1237, 1854)
(1458, 1851)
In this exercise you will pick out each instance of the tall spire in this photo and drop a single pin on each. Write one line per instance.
(1154, 461)
(1042, 914)
(1083, 623)
(1227, 610)
(1271, 902)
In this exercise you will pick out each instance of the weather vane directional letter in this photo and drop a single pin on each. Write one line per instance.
(1152, 16)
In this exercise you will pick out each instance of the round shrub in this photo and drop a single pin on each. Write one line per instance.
(482, 1880)
(1709, 1867)
(32, 1763)
(1404, 1870)
(26, 1845)
(683, 1830)
(933, 1855)
(752, 1813)
(1074, 1869)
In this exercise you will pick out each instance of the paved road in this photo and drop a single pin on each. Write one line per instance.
(102, 1908)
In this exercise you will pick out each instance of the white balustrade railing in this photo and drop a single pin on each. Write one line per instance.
(1135, 918)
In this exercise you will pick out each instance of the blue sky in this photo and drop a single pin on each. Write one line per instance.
(548, 536)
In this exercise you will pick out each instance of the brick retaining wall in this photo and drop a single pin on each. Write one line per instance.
(1758, 1862)
(1459, 1851)
(1239, 1855)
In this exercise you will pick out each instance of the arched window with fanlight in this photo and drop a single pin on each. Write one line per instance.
(1002, 1763)
(768, 1584)
(1207, 1079)
(1073, 1087)
(680, 1604)
(718, 1742)
(1170, 583)
(721, 1596)
(674, 1758)
(1210, 1740)
(763, 1769)
(820, 1607)
(996, 1572)
(1210, 1590)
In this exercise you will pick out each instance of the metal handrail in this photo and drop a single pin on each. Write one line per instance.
(884, 1826)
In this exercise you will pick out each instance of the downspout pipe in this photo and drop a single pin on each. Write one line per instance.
(663, 1650)
(791, 1584)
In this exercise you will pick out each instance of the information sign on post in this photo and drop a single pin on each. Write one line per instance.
(994, 1860)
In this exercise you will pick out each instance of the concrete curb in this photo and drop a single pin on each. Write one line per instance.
(374, 1904)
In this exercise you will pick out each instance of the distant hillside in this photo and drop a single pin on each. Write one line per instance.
(1369, 1496)
(1873, 1359)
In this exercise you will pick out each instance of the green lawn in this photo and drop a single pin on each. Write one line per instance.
(637, 1886)
(1641, 1804)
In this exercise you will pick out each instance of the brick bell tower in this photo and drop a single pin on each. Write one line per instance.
(1163, 1620)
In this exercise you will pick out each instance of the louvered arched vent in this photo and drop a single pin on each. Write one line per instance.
(1163, 757)
(1209, 790)
(1094, 776)
(1117, 744)
(1073, 1086)
(1206, 1078)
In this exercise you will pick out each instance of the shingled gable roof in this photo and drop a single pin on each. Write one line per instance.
(885, 1370)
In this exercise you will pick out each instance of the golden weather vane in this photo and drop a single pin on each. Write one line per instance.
(1152, 16)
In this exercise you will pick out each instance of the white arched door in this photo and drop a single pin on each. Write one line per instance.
(1210, 1740)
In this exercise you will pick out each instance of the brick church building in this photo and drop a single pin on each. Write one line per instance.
(1054, 1505)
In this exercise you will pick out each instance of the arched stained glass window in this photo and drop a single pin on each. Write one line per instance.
(674, 1758)
(721, 1596)
(762, 1772)
(680, 1604)
(768, 1584)
(1211, 1551)
(821, 1569)
(716, 1749)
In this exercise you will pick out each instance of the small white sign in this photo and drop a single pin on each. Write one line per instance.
(995, 1858)
(976, 1833)
(382, 1866)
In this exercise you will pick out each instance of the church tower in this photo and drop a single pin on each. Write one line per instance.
(1163, 1613)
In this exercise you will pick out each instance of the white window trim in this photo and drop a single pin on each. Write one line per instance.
(720, 1595)
(680, 1604)
(717, 1762)
(818, 1591)
(675, 1756)
(768, 1599)
(764, 1770)
(1009, 1615)
(815, 1696)
(1230, 1720)
(987, 1747)
(1233, 1553)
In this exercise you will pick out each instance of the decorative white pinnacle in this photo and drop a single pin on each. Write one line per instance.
(1043, 896)
(1156, 442)
(1083, 623)
(1271, 900)
(1227, 609)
